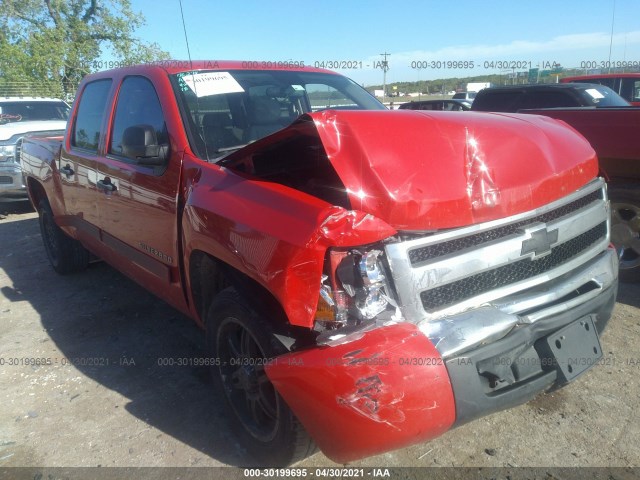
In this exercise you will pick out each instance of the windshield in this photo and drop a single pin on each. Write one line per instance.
(26, 111)
(601, 96)
(224, 111)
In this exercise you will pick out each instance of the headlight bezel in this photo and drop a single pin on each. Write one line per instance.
(356, 288)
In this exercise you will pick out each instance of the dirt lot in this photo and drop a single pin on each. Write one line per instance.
(103, 399)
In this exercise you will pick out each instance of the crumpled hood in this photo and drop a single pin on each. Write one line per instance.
(10, 129)
(421, 170)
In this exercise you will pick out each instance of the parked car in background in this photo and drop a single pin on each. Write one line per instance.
(554, 95)
(20, 116)
(468, 96)
(446, 105)
(627, 85)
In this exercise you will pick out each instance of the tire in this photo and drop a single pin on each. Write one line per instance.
(239, 339)
(66, 255)
(625, 230)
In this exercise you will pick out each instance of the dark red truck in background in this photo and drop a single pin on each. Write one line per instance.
(614, 135)
(610, 125)
(367, 279)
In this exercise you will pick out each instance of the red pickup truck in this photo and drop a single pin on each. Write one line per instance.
(367, 279)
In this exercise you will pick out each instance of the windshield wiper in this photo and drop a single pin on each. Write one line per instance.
(231, 149)
(225, 151)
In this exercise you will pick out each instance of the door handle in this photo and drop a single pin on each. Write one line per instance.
(106, 185)
(67, 170)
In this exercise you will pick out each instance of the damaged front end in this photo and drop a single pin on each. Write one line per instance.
(417, 335)
(467, 268)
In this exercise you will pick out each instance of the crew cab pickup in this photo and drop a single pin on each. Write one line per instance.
(367, 279)
(613, 133)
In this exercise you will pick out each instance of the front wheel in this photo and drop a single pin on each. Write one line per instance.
(66, 255)
(625, 230)
(242, 342)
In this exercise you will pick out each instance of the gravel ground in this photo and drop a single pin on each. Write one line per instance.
(102, 399)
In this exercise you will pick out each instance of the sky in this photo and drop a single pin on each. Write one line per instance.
(425, 40)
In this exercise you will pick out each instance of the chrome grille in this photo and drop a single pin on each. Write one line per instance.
(469, 287)
(433, 251)
(455, 270)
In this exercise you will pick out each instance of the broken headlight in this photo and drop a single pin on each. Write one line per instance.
(355, 289)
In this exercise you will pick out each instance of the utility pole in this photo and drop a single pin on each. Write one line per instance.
(385, 67)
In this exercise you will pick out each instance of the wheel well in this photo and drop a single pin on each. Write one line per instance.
(208, 276)
(36, 192)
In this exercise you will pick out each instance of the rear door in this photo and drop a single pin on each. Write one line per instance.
(138, 201)
(78, 160)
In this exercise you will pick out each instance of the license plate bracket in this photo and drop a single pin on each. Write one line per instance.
(575, 348)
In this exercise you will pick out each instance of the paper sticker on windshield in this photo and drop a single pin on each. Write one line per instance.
(212, 83)
(299, 88)
(594, 93)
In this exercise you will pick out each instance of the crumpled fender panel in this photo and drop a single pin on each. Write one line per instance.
(273, 234)
(382, 390)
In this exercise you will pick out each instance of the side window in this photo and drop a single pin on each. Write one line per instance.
(138, 104)
(498, 101)
(324, 96)
(630, 89)
(86, 131)
(548, 100)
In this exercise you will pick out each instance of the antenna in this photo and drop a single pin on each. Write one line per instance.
(186, 39)
(197, 120)
(613, 18)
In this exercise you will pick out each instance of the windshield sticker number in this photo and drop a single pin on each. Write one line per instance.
(212, 83)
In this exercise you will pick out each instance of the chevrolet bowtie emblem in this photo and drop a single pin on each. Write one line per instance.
(540, 242)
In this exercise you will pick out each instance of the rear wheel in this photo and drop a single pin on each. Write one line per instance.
(242, 341)
(625, 230)
(66, 255)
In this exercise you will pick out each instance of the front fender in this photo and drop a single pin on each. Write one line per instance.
(273, 234)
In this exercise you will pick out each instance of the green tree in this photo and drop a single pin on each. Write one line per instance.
(54, 43)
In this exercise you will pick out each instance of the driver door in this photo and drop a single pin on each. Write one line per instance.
(138, 200)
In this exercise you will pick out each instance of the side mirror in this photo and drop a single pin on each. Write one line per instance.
(140, 143)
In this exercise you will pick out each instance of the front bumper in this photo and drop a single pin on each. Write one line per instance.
(516, 368)
(12, 183)
(394, 386)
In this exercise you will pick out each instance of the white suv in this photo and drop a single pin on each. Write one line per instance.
(468, 96)
(20, 116)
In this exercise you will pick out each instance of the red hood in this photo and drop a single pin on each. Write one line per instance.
(431, 170)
